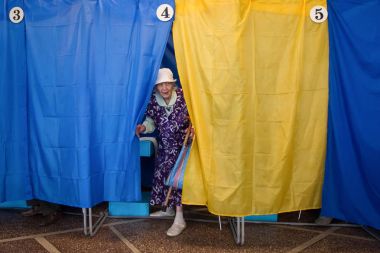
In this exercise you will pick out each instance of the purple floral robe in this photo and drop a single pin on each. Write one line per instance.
(172, 131)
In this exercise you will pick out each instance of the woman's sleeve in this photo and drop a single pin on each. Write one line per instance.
(149, 125)
(149, 118)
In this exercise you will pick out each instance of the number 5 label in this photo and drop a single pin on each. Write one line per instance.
(318, 14)
(16, 15)
(165, 12)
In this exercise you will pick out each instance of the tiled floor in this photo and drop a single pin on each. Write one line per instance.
(21, 234)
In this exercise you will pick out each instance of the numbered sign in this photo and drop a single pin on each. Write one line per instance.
(318, 14)
(16, 15)
(165, 12)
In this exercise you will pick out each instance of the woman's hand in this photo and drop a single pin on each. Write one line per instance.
(139, 129)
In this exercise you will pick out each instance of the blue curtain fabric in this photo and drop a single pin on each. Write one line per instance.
(351, 189)
(90, 70)
(14, 175)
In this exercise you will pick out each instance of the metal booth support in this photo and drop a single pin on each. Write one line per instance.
(237, 229)
(89, 228)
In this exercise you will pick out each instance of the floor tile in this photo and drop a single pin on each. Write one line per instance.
(104, 241)
(22, 246)
(337, 244)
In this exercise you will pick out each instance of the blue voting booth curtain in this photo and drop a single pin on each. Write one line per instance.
(91, 67)
(351, 189)
(14, 176)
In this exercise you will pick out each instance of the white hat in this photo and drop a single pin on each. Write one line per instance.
(165, 75)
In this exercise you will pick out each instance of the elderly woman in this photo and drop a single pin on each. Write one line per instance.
(168, 113)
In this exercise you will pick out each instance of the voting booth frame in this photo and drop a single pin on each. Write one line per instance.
(140, 209)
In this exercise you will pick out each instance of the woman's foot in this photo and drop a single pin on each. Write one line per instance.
(176, 229)
(169, 213)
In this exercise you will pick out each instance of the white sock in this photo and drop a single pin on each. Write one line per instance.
(179, 216)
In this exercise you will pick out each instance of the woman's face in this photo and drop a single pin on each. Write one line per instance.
(165, 90)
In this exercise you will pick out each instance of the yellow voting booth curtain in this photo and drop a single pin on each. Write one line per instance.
(254, 75)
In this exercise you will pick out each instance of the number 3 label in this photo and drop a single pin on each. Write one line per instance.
(16, 15)
(318, 14)
(164, 12)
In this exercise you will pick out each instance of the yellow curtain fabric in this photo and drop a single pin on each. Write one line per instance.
(255, 76)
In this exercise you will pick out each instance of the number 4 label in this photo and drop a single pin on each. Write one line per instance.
(165, 12)
(318, 14)
(16, 15)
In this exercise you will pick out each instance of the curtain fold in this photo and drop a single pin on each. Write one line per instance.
(254, 74)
